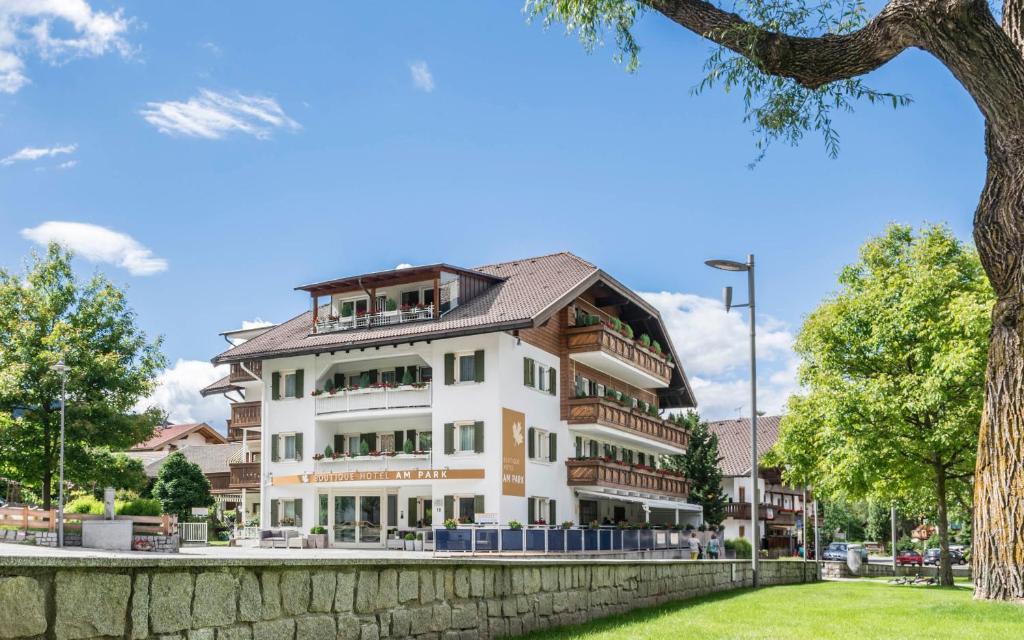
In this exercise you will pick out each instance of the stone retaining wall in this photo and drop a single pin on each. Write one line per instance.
(330, 599)
(832, 570)
(40, 538)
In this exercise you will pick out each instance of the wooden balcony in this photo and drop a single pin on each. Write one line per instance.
(609, 351)
(630, 422)
(235, 433)
(245, 414)
(595, 472)
(218, 481)
(238, 374)
(245, 475)
(741, 511)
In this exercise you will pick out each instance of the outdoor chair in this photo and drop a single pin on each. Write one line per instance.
(276, 538)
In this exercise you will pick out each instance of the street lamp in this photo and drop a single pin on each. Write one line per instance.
(748, 266)
(62, 369)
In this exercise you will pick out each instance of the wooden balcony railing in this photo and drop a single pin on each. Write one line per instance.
(238, 374)
(609, 414)
(245, 414)
(596, 472)
(245, 474)
(218, 481)
(600, 338)
(741, 511)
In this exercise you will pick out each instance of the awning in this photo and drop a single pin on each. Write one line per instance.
(650, 502)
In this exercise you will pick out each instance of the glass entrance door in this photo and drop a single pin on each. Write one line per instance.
(369, 520)
(344, 519)
(357, 520)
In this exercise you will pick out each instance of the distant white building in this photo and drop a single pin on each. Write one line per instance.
(526, 390)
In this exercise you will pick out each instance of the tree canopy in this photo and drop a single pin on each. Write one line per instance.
(181, 485)
(700, 466)
(47, 314)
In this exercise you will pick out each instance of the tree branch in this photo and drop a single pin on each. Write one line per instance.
(811, 62)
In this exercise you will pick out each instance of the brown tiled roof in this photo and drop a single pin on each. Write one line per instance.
(165, 434)
(221, 386)
(734, 442)
(211, 458)
(530, 288)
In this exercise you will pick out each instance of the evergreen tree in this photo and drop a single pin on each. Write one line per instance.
(700, 466)
(181, 485)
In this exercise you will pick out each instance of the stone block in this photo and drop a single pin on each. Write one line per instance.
(464, 616)
(322, 591)
(408, 585)
(91, 604)
(426, 586)
(462, 583)
(170, 602)
(270, 581)
(319, 627)
(442, 619)
(250, 600)
(295, 592)
(200, 634)
(214, 603)
(349, 627)
(366, 591)
(22, 607)
(387, 589)
(369, 631)
(283, 629)
(237, 632)
(345, 592)
(140, 607)
(401, 623)
(420, 619)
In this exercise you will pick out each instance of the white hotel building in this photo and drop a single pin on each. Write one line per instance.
(527, 390)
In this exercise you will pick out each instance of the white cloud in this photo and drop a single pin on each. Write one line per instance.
(70, 164)
(714, 349)
(404, 265)
(98, 244)
(422, 79)
(177, 393)
(213, 115)
(28, 154)
(28, 26)
(256, 323)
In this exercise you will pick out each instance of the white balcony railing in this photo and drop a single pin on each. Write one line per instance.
(371, 399)
(327, 323)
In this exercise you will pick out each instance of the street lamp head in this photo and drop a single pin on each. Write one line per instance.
(727, 265)
(60, 367)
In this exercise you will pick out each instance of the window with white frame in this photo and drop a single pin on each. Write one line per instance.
(385, 442)
(289, 384)
(541, 507)
(467, 437)
(352, 445)
(542, 439)
(466, 367)
(424, 440)
(541, 446)
(542, 377)
(290, 513)
(289, 442)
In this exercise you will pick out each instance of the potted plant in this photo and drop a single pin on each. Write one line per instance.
(318, 537)
(408, 447)
(410, 541)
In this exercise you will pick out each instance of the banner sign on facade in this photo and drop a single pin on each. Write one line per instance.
(396, 475)
(513, 453)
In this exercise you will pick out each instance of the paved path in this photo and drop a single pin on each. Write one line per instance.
(248, 553)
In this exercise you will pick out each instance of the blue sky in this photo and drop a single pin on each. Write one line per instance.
(360, 136)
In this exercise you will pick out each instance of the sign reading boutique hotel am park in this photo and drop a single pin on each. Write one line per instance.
(396, 475)
(513, 453)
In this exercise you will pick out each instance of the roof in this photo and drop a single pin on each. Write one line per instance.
(165, 434)
(221, 386)
(525, 294)
(383, 277)
(211, 458)
(734, 442)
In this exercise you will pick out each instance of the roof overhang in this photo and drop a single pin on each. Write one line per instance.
(390, 277)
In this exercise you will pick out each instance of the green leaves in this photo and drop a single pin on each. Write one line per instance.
(181, 485)
(700, 465)
(589, 20)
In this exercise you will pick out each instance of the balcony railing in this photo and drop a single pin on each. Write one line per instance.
(741, 511)
(600, 338)
(245, 475)
(374, 398)
(606, 413)
(597, 472)
(245, 414)
(238, 374)
(380, 318)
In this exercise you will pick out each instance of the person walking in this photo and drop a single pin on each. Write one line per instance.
(713, 547)
(694, 546)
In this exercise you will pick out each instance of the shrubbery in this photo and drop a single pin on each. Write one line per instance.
(135, 507)
(741, 546)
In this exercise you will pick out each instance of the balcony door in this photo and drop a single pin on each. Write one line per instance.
(357, 520)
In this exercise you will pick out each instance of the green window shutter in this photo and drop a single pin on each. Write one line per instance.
(410, 515)
(552, 448)
(449, 507)
(399, 374)
(449, 368)
(478, 505)
(399, 441)
(579, 447)
(593, 448)
(273, 513)
(529, 443)
(298, 446)
(449, 438)
(298, 512)
(374, 376)
(412, 372)
(530, 515)
(275, 386)
(552, 512)
(552, 380)
(339, 380)
(528, 372)
(298, 383)
(274, 447)
(370, 439)
(478, 366)
(640, 458)
(478, 437)
(339, 443)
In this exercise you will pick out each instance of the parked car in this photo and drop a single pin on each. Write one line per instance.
(931, 556)
(838, 551)
(909, 557)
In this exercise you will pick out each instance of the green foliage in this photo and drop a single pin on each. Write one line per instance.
(47, 313)
(645, 339)
(84, 504)
(181, 485)
(364, 448)
(328, 451)
(408, 446)
(407, 377)
(390, 305)
(700, 466)
(741, 546)
(879, 523)
(845, 516)
(318, 529)
(590, 19)
(906, 543)
(140, 507)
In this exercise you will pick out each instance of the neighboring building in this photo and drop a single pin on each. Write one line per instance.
(508, 392)
(171, 437)
(781, 511)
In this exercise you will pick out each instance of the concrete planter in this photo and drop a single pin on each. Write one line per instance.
(317, 540)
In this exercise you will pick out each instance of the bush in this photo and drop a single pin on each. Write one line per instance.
(139, 507)
(741, 546)
(364, 448)
(645, 339)
(407, 377)
(408, 447)
(627, 331)
(85, 504)
(318, 530)
(515, 524)
(328, 451)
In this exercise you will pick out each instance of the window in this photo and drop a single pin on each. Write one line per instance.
(286, 447)
(410, 298)
(542, 377)
(425, 438)
(289, 447)
(467, 508)
(286, 513)
(322, 515)
(386, 442)
(579, 447)
(467, 369)
(743, 531)
(286, 384)
(466, 437)
(388, 377)
(541, 445)
(428, 296)
(538, 510)
(426, 374)
(464, 367)
(352, 445)
(289, 385)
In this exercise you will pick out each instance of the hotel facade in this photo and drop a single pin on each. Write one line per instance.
(530, 390)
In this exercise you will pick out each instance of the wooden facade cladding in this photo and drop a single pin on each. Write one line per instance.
(245, 475)
(601, 377)
(595, 472)
(218, 481)
(245, 414)
(741, 511)
(606, 413)
(238, 374)
(600, 338)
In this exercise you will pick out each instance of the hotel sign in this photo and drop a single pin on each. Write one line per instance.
(513, 453)
(398, 475)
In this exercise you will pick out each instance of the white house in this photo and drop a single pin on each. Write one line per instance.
(526, 390)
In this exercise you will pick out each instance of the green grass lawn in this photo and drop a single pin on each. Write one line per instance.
(855, 610)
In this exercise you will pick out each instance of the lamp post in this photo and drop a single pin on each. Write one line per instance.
(62, 369)
(748, 266)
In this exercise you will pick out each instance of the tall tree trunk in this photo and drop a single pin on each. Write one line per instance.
(942, 512)
(47, 485)
(998, 546)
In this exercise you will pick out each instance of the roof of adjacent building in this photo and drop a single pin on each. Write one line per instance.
(168, 433)
(734, 442)
(221, 386)
(210, 458)
(524, 294)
